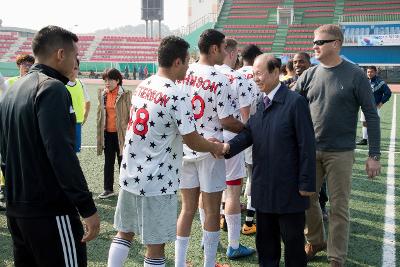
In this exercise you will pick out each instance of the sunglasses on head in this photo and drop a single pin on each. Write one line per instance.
(322, 42)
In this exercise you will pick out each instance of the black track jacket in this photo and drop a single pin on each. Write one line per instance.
(37, 133)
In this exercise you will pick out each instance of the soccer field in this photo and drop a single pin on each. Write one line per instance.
(367, 209)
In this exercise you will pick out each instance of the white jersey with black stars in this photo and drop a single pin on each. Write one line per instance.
(241, 93)
(209, 92)
(152, 155)
(247, 71)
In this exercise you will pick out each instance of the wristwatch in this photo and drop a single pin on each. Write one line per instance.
(375, 157)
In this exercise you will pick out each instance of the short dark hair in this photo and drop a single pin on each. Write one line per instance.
(231, 44)
(289, 65)
(208, 38)
(24, 58)
(372, 68)
(306, 56)
(250, 52)
(170, 49)
(112, 74)
(51, 38)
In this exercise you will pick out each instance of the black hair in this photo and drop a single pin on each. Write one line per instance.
(51, 38)
(273, 63)
(112, 74)
(372, 68)
(170, 49)
(250, 52)
(208, 38)
(306, 56)
(289, 65)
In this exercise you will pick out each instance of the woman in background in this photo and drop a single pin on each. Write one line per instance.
(112, 120)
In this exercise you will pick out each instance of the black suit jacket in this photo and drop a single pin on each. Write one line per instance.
(283, 153)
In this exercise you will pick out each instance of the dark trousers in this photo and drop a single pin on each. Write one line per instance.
(271, 228)
(111, 150)
(48, 241)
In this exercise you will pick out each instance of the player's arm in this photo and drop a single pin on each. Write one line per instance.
(231, 124)
(196, 142)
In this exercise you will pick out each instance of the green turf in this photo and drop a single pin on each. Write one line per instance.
(367, 209)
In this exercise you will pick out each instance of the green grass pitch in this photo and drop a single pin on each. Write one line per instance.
(367, 209)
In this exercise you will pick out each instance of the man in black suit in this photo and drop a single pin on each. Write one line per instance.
(282, 136)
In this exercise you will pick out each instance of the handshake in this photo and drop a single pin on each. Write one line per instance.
(219, 149)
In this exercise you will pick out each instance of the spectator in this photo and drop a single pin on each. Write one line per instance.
(141, 72)
(112, 120)
(381, 94)
(24, 62)
(80, 103)
(335, 90)
(288, 78)
(145, 72)
(134, 72)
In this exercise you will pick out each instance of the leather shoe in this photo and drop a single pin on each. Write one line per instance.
(312, 250)
(336, 264)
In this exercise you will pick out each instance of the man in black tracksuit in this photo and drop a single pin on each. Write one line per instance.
(46, 190)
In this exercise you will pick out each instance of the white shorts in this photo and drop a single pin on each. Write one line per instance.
(362, 116)
(235, 167)
(248, 155)
(207, 173)
(153, 218)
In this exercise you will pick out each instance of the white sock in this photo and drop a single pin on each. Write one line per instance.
(365, 133)
(202, 218)
(211, 240)
(149, 262)
(233, 222)
(118, 252)
(181, 246)
(249, 207)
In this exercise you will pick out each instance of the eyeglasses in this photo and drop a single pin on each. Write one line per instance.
(322, 42)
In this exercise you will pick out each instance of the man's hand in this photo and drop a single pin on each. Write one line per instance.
(306, 194)
(219, 149)
(372, 167)
(92, 227)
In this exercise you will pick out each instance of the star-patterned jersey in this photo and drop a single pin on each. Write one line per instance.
(152, 155)
(241, 93)
(209, 91)
(247, 71)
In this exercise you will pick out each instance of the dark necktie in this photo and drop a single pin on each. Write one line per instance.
(267, 102)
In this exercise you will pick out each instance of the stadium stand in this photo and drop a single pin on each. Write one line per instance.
(247, 21)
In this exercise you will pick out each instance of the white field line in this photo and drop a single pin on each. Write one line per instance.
(389, 240)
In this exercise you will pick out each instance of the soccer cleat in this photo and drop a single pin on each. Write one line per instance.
(106, 194)
(249, 230)
(240, 252)
(362, 142)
